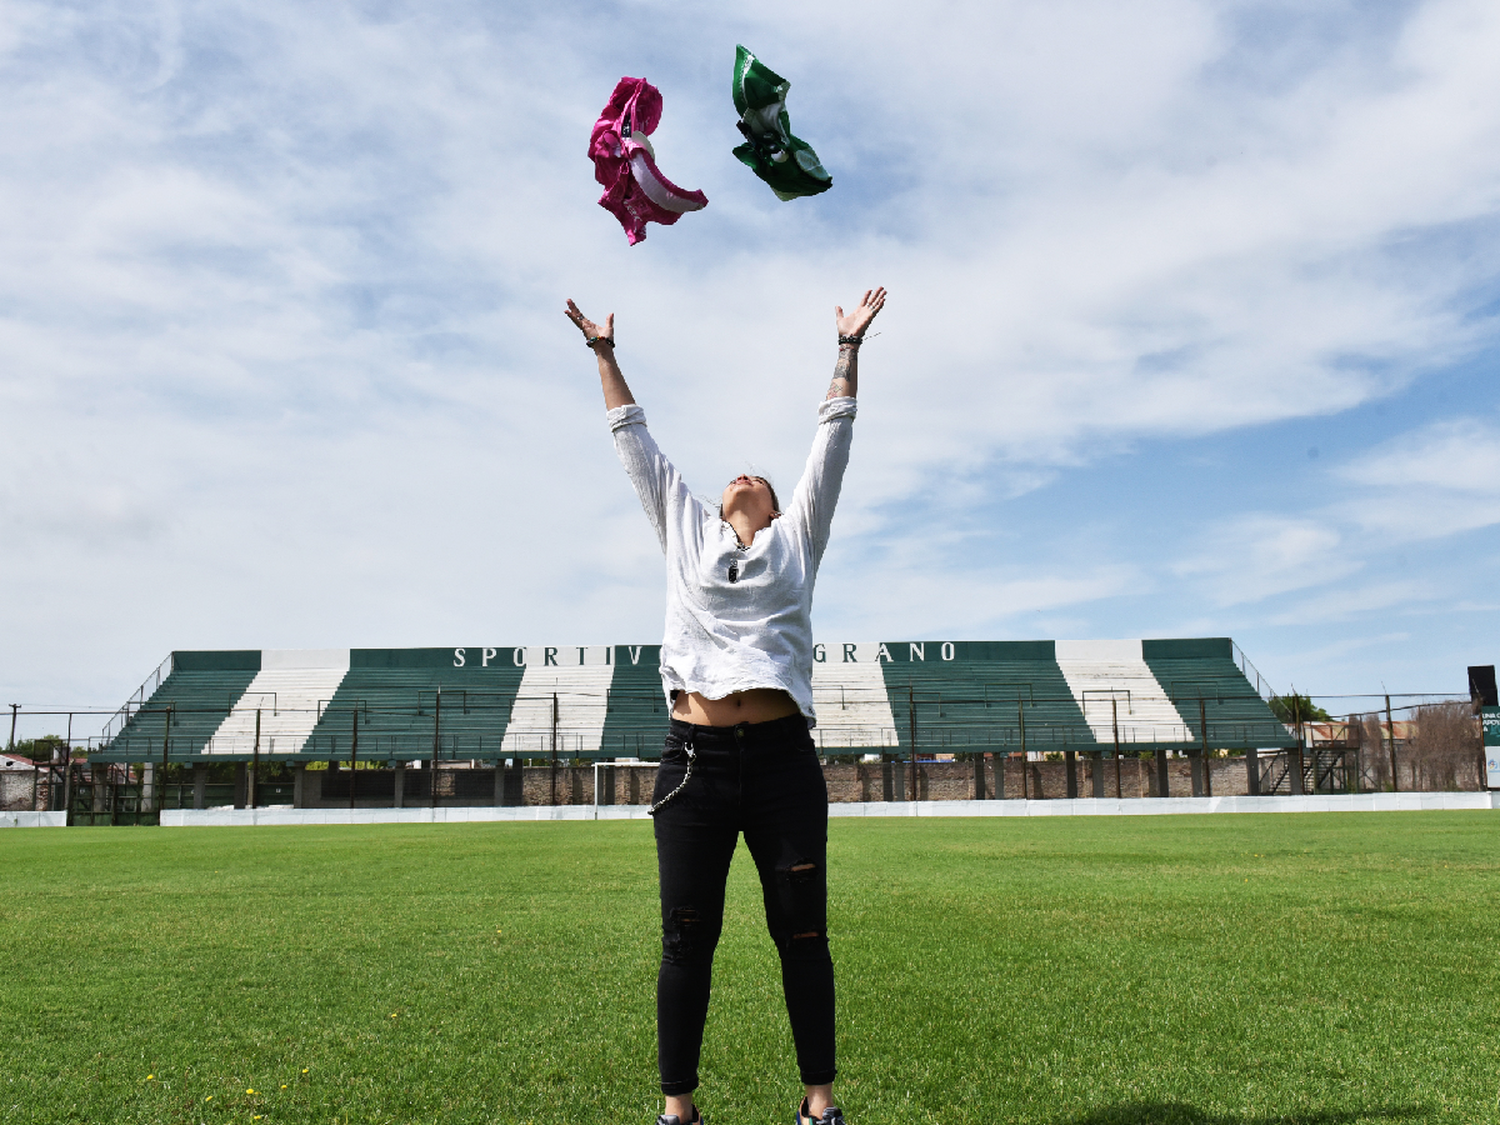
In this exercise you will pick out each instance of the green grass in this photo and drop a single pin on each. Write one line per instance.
(1181, 970)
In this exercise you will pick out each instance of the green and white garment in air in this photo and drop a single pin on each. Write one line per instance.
(785, 162)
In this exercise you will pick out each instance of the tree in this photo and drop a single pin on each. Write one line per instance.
(48, 748)
(1296, 709)
(1445, 749)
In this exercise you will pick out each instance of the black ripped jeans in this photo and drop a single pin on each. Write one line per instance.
(762, 779)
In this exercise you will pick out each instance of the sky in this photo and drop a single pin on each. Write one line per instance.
(1193, 326)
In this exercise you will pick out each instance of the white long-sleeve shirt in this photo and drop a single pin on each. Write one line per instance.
(726, 636)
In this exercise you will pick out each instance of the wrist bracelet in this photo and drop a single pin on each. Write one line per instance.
(590, 341)
(855, 340)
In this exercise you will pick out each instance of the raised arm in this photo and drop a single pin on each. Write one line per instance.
(602, 341)
(851, 332)
(664, 496)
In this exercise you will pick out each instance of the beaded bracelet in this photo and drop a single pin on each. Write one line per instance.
(855, 340)
(590, 341)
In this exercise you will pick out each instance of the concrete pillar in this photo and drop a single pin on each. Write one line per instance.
(1294, 769)
(1252, 772)
(1000, 776)
(148, 787)
(887, 782)
(978, 777)
(398, 799)
(499, 782)
(200, 784)
(299, 782)
(99, 783)
(1195, 761)
(241, 784)
(1163, 775)
(1096, 767)
(1071, 758)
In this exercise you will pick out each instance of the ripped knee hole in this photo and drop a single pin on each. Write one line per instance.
(799, 872)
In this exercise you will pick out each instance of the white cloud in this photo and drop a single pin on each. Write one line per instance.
(1355, 602)
(1258, 556)
(1441, 480)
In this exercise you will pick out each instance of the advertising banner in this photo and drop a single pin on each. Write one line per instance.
(1490, 716)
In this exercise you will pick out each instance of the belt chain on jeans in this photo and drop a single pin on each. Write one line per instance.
(692, 756)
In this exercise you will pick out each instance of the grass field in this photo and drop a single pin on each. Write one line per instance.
(1229, 969)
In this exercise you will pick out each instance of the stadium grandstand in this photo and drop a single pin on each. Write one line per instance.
(487, 704)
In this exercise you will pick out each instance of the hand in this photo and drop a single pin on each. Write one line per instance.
(856, 322)
(589, 328)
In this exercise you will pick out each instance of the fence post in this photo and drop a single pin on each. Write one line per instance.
(1390, 726)
(911, 715)
(437, 725)
(552, 749)
(1114, 719)
(1025, 781)
(354, 752)
(250, 795)
(159, 789)
(67, 793)
(1208, 775)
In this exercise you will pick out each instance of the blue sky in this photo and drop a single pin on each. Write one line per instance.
(1192, 330)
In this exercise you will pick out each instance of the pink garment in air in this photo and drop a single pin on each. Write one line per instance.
(635, 191)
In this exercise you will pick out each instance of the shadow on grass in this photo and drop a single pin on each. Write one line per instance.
(1175, 1113)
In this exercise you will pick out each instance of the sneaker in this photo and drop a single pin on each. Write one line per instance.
(833, 1115)
(672, 1118)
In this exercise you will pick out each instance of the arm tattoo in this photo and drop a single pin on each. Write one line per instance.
(845, 373)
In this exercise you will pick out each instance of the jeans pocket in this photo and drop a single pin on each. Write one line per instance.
(669, 775)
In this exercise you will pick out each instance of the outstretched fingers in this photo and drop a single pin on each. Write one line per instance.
(856, 322)
(587, 326)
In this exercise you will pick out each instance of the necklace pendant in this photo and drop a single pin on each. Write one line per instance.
(734, 572)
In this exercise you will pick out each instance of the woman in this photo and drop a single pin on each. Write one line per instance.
(736, 661)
